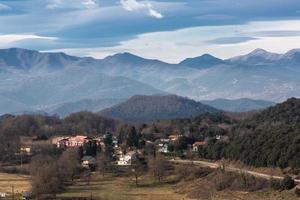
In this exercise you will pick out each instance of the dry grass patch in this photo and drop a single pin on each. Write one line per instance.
(123, 188)
(20, 182)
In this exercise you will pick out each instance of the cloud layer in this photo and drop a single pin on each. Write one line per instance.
(134, 5)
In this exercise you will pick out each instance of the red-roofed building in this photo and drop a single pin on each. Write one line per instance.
(198, 144)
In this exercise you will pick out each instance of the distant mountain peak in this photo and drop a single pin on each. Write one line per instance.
(256, 57)
(293, 52)
(259, 51)
(201, 62)
(129, 58)
(125, 56)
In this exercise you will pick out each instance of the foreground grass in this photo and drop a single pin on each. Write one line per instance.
(21, 183)
(123, 188)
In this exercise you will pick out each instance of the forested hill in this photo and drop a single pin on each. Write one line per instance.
(143, 108)
(270, 138)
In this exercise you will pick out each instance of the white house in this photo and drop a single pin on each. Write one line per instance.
(163, 148)
(125, 160)
(88, 161)
(3, 195)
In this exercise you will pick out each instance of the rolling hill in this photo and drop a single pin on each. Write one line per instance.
(143, 108)
(239, 105)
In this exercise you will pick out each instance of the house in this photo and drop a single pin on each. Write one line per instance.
(77, 141)
(223, 138)
(30, 144)
(163, 148)
(198, 144)
(26, 196)
(3, 195)
(162, 145)
(88, 162)
(174, 138)
(26, 144)
(70, 141)
(126, 160)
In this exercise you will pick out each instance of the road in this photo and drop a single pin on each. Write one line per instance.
(232, 169)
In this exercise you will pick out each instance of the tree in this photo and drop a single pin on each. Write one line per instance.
(157, 166)
(68, 164)
(103, 163)
(46, 178)
(108, 139)
(129, 136)
(138, 167)
(287, 183)
(90, 148)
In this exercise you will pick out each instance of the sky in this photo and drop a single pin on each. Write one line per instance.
(169, 30)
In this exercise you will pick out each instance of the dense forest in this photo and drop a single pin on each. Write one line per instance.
(270, 138)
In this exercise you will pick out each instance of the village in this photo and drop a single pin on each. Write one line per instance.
(122, 156)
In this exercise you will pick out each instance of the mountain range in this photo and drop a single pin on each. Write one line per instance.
(36, 81)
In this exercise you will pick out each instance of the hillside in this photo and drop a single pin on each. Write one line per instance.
(270, 138)
(65, 109)
(150, 108)
(239, 105)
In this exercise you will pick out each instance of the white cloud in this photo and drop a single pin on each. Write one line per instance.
(10, 39)
(134, 5)
(4, 7)
(192, 42)
(56, 4)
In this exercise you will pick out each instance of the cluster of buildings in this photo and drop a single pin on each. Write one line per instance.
(123, 159)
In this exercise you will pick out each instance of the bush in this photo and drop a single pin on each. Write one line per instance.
(275, 184)
(287, 183)
(241, 182)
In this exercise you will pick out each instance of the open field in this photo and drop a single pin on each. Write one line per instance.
(123, 188)
(20, 183)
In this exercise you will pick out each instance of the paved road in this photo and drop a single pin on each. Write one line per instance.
(232, 169)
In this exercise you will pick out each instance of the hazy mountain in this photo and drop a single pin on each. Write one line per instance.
(202, 62)
(143, 108)
(34, 81)
(65, 109)
(292, 57)
(28, 59)
(239, 105)
(256, 57)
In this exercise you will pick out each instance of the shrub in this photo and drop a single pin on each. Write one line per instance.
(275, 184)
(241, 182)
(287, 183)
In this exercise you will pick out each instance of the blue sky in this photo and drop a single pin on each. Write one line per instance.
(163, 29)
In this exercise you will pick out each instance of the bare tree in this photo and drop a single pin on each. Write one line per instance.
(157, 166)
(68, 164)
(103, 163)
(138, 168)
(46, 179)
